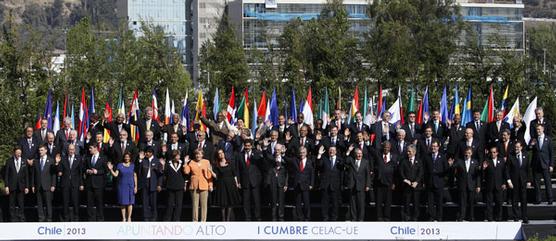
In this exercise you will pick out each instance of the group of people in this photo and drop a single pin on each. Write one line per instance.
(229, 165)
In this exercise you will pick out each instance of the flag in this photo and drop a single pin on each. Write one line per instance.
(267, 113)
(467, 114)
(488, 111)
(325, 115)
(514, 111)
(293, 106)
(108, 109)
(255, 114)
(92, 104)
(65, 113)
(216, 104)
(444, 107)
(184, 115)
(339, 101)
(121, 104)
(172, 111)
(154, 106)
(38, 123)
(56, 126)
(72, 118)
(167, 108)
(308, 109)
(134, 113)
(504, 102)
(369, 119)
(528, 117)
(423, 113)
(365, 103)
(355, 102)
(261, 111)
(455, 108)
(48, 110)
(394, 111)
(379, 104)
(83, 116)
(273, 108)
(402, 120)
(411, 106)
(199, 106)
(231, 106)
(241, 108)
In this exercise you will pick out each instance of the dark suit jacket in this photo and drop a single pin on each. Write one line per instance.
(13, 179)
(380, 135)
(250, 176)
(354, 129)
(480, 133)
(143, 171)
(142, 125)
(169, 129)
(277, 177)
(60, 139)
(339, 143)
(174, 179)
(182, 148)
(118, 154)
(208, 150)
(294, 129)
(542, 156)
(519, 173)
(37, 135)
(29, 152)
(72, 176)
(45, 178)
(547, 128)
(409, 137)
(478, 149)
(385, 172)
(358, 179)
(400, 152)
(95, 181)
(281, 133)
(494, 134)
(495, 177)
(302, 179)
(330, 176)
(114, 129)
(468, 181)
(157, 147)
(456, 134)
(435, 171)
(441, 133)
(78, 149)
(505, 151)
(412, 172)
(518, 134)
(422, 149)
(52, 151)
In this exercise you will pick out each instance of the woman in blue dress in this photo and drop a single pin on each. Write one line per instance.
(127, 185)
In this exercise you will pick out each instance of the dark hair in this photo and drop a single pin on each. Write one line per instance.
(16, 148)
(175, 153)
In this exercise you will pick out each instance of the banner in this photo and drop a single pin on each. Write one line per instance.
(263, 230)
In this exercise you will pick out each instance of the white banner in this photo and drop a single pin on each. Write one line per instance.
(264, 230)
(271, 4)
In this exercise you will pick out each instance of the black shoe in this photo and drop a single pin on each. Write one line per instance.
(549, 203)
(525, 221)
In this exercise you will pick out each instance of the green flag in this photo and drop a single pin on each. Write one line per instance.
(365, 103)
(484, 114)
(411, 106)
(241, 109)
(326, 109)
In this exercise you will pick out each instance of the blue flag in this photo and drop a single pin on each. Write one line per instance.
(274, 109)
(48, 110)
(444, 106)
(216, 105)
(92, 104)
(293, 107)
(467, 113)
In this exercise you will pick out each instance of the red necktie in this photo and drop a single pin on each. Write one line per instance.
(301, 167)
(67, 134)
(248, 160)
(385, 158)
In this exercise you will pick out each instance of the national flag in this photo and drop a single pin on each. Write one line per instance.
(411, 106)
(261, 111)
(355, 102)
(339, 101)
(134, 113)
(255, 115)
(83, 116)
(38, 123)
(56, 126)
(199, 106)
(467, 114)
(231, 106)
(365, 104)
(154, 106)
(172, 111)
(423, 113)
(514, 111)
(121, 104)
(402, 119)
(379, 104)
(241, 108)
(167, 108)
(246, 109)
(444, 107)
(488, 111)
(293, 106)
(267, 113)
(72, 118)
(369, 117)
(65, 113)
(184, 115)
(308, 109)
(92, 104)
(216, 104)
(273, 106)
(528, 117)
(108, 109)
(325, 115)
(504, 102)
(394, 110)
(48, 110)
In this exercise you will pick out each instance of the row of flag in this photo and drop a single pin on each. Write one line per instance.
(268, 110)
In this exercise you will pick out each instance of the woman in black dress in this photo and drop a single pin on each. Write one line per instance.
(226, 193)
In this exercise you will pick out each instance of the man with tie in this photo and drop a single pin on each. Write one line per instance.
(72, 140)
(302, 141)
(174, 145)
(383, 130)
(496, 178)
(295, 129)
(425, 143)
(386, 167)
(478, 126)
(335, 139)
(439, 129)
(412, 129)
(505, 145)
(151, 143)
(52, 148)
(436, 168)
(411, 172)
(399, 147)
(95, 171)
(358, 182)
(175, 127)
(495, 128)
(70, 169)
(520, 179)
(148, 124)
(149, 171)
(62, 135)
(250, 168)
(302, 181)
(330, 168)
(29, 150)
(121, 146)
(358, 125)
(44, 185)
(116, 127)
(338, 121)
(277, 181)
(542, 163)
(468, 177)
(230, 145)
(281, 128)
(40, 134)
(540, 120)
(456, 133)
(17, 184)
(469, 140)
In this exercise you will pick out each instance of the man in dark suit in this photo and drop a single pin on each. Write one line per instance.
(411, 172)
(149, 171)
(411, 128)
(40, 134)
(202, 143)
(95, 170)
(436, 168)
(174, 144)
(330, 168)
(495, 128)
(303, 140)
(469, 140)
(62, 135)
(540, 120)
(456, 133)
(520, 175)
(542, 163)
(399, 146)
(175, 127)
(277, 181)
(147, 124)
(44, 184)
(29, 146)
(337, 121)
(302, 181)
(72, 140)
(494, 169)
(358, 182)
(439, 129)
(468, 182)
(151, 143)
(51, 148)
(505, 145)
(358, 125)
(386, 167)
(121, 146)
(70, 169)
(116, 127)
(425, 143)
(250, 168)
(95, 126)
(335, 139)
(383, 130)
(295, 129)
(103, 149)
(231, 145)
(479, 127)
(281, 128)
(16, 183)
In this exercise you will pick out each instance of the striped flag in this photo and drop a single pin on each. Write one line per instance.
(154, 106)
